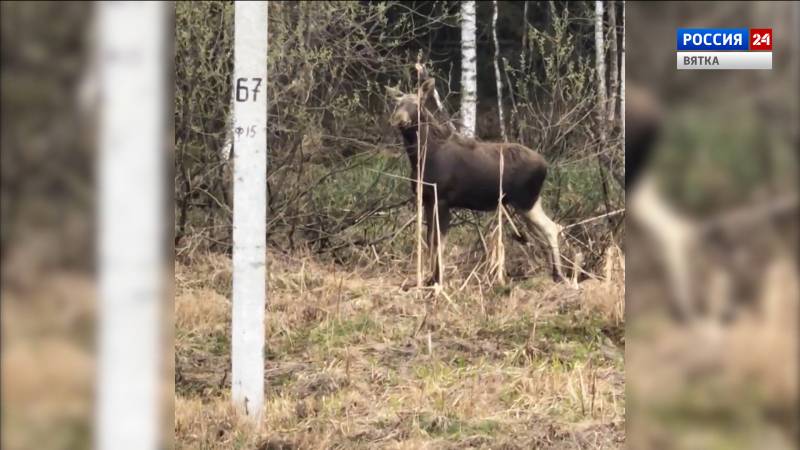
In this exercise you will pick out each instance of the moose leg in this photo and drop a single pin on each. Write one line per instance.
(436, 239)
(550, 230)
(429, 240)
(676, 237)
(441, 239)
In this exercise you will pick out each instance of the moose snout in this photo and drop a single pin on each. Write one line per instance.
(400, 119)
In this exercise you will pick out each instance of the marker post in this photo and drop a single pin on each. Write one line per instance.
(250, 206)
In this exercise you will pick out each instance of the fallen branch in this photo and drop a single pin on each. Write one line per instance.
(592, 219)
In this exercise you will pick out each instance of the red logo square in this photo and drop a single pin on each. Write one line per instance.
(760, 38)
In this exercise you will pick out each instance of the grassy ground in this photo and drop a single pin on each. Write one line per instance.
(47, 363)
(354, 361)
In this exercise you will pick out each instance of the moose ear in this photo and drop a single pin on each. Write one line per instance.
(421, 71)
(428, 86)
(393, 92)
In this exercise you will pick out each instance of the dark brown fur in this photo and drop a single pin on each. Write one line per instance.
(642, 126)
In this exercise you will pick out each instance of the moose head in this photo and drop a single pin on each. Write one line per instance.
(406, 106)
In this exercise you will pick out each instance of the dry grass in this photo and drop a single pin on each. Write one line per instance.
(47, 363)
(719, 385)
(353, 361)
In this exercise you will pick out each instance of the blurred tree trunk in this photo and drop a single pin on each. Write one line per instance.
(614, 69)
(498, 77)
(469, 68)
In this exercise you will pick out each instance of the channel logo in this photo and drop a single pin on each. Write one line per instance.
(724, 48)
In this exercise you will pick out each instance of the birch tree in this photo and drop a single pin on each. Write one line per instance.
(469, 68)
(614, 69)
(603, 158)
(600, 62)
(250, 206)
(497, 73)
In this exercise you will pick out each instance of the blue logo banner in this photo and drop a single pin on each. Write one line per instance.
(712, 38)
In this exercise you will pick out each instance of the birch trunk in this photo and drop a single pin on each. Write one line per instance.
(497, 74)
(614, 69)
(600, 68)
(250, 206)
(603, 158)
(469, 68)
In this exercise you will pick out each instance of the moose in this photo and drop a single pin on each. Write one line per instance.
(466, 173)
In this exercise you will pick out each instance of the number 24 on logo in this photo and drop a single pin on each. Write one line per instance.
(761, 39)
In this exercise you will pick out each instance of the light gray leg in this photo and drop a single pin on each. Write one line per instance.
(675, 236)
(550, 230)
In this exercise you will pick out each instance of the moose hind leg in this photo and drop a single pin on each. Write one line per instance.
(550, 230)
(437, 239)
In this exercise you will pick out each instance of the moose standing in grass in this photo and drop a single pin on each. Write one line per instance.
(467, 173)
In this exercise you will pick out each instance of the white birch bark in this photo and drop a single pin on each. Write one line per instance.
(469, 68)
(614, 66)
(132, 87)
(497, 74)
(603, 158)
(600, 67)
(250, 206)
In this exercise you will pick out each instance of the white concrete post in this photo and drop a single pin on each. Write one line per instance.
(249, 205)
